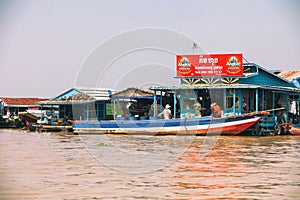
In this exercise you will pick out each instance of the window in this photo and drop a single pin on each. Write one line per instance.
(188, 103)
(229, 103)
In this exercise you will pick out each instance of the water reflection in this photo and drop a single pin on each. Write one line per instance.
(241, 167)
(49, 166)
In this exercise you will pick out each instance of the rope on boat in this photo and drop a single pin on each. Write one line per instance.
(264, 112)
(185, 125)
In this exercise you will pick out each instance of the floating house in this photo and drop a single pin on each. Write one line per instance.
(14, 111)
(137, 103)
(258, 89)
(237, 90)
(131, 103)
(218, 94)
(16, 105)
(80, 103)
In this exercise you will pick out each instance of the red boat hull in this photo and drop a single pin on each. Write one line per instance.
(295, 130)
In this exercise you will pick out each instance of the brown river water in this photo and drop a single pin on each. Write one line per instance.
(53, 166)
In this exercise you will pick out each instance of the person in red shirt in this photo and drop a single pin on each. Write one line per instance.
(216, 110)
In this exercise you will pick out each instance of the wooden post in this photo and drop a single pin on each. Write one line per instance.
(234, 96)
(287, 107)
(160, 102)
(273, 103)
(65, 108)
(175, 102)
(256, 100)
(114, 113)
(87, 112)
(262, 99)
(41, 115)
(155, 106)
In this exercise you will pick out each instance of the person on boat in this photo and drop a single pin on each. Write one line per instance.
(197, 108)
(27, 123)
(151, 109)
(206, 110)
(237, 102)
(216, 110)
(166, 112)
(68, 120)
(8, 114)
(245, 106)
(293, 109)
(65, 120)
(146, 116)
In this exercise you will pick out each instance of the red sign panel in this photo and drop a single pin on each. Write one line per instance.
(209, 65)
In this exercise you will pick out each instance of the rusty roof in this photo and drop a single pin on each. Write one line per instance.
(289, 75)
(8, 101)
(133, 92)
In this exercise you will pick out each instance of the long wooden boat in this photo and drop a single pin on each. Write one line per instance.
(188, 126)
(50, 128)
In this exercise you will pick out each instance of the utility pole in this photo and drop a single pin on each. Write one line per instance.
(195, 46)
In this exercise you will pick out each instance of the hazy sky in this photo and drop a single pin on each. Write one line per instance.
(43, 44)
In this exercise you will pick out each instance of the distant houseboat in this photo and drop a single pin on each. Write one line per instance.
(78, 103)
(12, 111)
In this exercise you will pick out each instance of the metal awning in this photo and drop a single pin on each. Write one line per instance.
(71, 102)
(225, 86)
(207, 86)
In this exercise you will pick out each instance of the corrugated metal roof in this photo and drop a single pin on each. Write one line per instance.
(21, 102)
(85, 95)
(66, 102)
(96, 93)
(290, 75)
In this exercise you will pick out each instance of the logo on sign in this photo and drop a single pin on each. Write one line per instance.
(233, 65)
(184, 65)
(233, 61)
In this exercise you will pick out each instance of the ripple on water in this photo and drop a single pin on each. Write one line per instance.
(49, 166)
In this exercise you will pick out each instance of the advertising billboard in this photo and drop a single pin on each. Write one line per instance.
(204, 65)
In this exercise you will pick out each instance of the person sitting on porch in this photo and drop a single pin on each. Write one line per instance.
(166, 112)
(216, 110)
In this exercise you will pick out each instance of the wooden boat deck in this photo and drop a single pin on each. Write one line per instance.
(52, 128)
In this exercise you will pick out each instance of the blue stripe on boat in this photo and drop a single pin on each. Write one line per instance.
(156, 123)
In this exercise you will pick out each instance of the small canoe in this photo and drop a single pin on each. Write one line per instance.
(293, 130)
